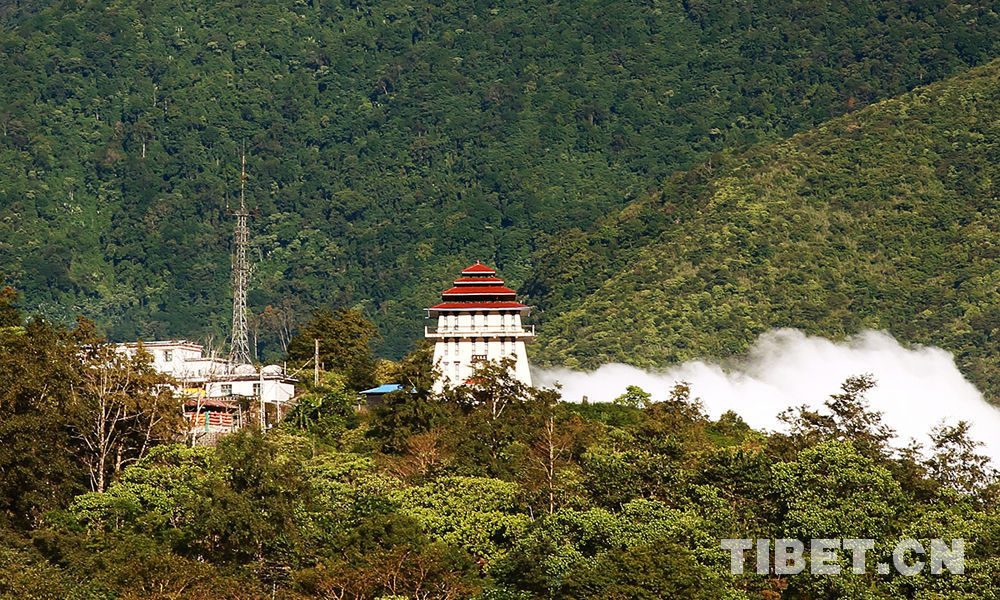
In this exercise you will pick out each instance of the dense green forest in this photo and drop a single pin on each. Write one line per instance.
(391, 143)
(662, 180)
(497, 492)
(886, 218)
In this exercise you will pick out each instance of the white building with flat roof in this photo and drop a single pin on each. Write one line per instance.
(183, 360)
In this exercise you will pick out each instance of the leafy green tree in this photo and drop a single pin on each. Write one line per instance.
(833, 490)
(140, 567)
(742, 476)
(414, 409)
(327, 411)
(479, 514)
(634, 397)
(560, 551)
(387, 556)
(345, 345)
(39, 368)
(249, 513)
(956, 462)
(154, 496)
(849, 419)
(659, 570)
(500, 416)
(676, 425)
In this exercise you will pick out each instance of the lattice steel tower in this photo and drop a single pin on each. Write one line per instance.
(239, 346)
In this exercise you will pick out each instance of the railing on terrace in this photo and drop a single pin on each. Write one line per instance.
(211, 420)
(504, 329)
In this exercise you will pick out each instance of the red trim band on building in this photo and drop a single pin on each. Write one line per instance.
(478, 305)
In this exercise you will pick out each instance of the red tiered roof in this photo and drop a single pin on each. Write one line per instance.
(478, 288)
(478, 280)
(478, 269)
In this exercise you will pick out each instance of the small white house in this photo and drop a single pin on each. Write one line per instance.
(269, 383)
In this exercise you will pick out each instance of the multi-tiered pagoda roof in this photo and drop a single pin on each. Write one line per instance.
(479, 289)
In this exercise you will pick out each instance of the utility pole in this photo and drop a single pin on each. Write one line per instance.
(239, 348)
(315, 362)
(260, 398)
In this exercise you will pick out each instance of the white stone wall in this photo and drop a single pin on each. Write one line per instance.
(273, 391)
(462, 339)
(169, 359)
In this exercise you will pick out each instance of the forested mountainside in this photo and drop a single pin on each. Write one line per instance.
(885, 218)
(389, 143)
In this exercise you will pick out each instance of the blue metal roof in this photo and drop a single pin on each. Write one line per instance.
(384, 389)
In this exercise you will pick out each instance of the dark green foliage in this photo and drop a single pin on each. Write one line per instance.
(391, 556)
(634, 397)
(38, 369)
(956, 462)
(498, 410)
(391, 143)
(412, 410)
(743, 477)
(653, 572)
(345, 345)
(325, 412)
(249, 512)
(849, 418)
(608, 414)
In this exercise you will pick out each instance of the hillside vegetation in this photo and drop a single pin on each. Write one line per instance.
(885, 218)
(492, 492)
(391, 143)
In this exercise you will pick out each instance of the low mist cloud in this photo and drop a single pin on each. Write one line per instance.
(917, 388)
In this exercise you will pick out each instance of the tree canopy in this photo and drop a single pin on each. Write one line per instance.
(883, 219)
(390, 144)
(345, 341)
(511, 496)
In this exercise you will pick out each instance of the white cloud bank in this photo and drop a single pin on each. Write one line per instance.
(917, 387)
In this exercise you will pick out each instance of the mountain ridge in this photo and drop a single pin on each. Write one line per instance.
(878, 219)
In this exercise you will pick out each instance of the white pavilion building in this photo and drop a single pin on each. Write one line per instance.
(479, 319)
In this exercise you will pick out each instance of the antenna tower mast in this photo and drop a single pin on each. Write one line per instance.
(239, 348)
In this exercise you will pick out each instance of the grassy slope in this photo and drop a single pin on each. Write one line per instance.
(885, 218)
